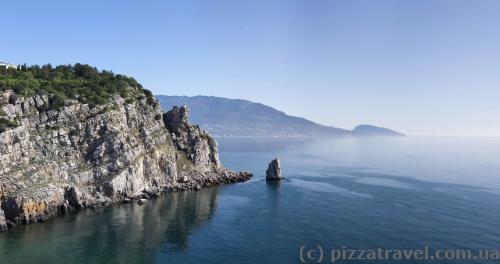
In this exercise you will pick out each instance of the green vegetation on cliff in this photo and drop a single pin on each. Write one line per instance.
(79, 82)
(6, 124)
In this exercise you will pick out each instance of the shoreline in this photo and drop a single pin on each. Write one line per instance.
(226, 177)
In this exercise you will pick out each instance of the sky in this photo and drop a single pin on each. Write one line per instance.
(422, 67)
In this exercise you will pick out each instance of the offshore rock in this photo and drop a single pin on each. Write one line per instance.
(273, 172)
(83, 156)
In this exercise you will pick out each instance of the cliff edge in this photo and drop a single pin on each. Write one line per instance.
(57, 159)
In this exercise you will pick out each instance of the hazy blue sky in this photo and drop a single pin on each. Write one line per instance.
(421, 67)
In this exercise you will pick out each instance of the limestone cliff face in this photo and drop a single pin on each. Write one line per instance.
(81, 156)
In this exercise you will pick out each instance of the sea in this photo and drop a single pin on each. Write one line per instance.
(343, 200)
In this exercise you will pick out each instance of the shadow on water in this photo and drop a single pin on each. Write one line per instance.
(273, 189)
(122, 234)
(273, 185)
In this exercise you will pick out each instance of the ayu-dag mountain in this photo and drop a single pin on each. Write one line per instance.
(235, 117)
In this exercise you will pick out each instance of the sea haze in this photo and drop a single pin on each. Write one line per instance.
(387, 192)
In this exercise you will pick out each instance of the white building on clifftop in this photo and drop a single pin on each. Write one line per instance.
(7, 65)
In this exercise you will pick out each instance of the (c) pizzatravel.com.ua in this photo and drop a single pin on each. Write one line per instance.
(320, 254)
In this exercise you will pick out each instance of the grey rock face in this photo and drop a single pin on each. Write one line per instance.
(273, 172)
(78, 156)
(3, 224)
(177, 117)
(200, 148)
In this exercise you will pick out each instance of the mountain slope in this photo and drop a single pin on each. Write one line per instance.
(235, 117)
(368, 130)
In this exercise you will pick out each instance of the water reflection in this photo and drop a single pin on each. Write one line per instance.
(127, 233)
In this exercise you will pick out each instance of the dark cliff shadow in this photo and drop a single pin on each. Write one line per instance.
(123, 234)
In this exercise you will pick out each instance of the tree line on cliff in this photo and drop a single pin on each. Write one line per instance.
(80, 82)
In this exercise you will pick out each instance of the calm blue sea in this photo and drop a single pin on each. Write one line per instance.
(365, 193)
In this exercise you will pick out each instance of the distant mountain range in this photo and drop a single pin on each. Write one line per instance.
(235, 117)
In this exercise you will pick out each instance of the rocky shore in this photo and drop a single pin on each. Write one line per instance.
(80, 156)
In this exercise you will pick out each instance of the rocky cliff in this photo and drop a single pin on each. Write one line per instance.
(77, 156)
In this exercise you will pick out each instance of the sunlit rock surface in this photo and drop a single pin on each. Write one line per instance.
(81, 156)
